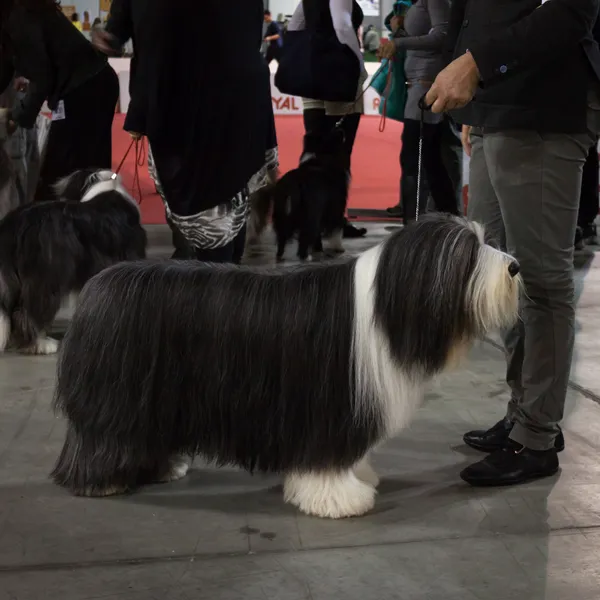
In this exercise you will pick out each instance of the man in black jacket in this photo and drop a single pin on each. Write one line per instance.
(526, 78)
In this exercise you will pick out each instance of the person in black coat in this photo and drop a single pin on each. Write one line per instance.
(526, 78)
(209, 121)
(39, 43)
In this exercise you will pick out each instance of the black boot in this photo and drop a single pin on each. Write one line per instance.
(496, 438)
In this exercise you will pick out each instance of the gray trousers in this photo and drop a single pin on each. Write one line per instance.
(524, 187)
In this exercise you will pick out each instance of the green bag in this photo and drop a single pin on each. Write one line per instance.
(391, 86)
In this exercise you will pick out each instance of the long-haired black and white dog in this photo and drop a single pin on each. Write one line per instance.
(310, 200)
(49, 250)
(300, 371)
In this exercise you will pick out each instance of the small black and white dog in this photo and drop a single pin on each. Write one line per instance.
(49, 250)
(311, 200)
(297, 371)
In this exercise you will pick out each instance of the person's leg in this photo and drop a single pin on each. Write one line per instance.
(484, 208)
(537, 179)
(589, 200)
(440, 185)
(452, 155)
(409, 162)
(540, 215)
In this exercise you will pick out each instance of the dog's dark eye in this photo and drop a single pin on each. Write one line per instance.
(492, 241)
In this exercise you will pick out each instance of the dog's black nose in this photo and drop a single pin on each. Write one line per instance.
(514, 268)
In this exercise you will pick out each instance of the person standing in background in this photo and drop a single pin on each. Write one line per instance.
(533, 70)
(39, 43)
(273, 38)
(209, 121)
(342, 18)
(422, 33)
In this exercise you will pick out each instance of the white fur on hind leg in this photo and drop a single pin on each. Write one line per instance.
(4, 331)
(179, 465)
(329, 495)
(42, 346)
(365, 472)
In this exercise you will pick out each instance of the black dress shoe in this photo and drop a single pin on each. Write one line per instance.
(496, 437)
(351, 232)
(511, 465)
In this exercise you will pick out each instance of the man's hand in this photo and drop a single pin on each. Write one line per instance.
(135, 135)
(465, 138)
(386, 50)
(11, 127)
(455, 85)
(104, 41)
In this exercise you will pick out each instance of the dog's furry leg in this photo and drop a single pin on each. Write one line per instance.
(33, 315)
(178, 466)
(97, 466)
(332, 495)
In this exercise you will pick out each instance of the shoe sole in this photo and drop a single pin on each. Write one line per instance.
(520, 481)
(489, 450)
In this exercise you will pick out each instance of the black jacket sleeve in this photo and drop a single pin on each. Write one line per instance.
(537, 39)
(41, 77)
(457, 16)
(120, 22)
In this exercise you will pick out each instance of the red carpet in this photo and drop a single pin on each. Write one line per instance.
(375, 166)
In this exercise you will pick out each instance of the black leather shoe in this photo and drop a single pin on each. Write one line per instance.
(495, 438)
(511, 465)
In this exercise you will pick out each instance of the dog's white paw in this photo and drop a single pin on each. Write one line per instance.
(329, 495)
(43, 346)
(179, 465)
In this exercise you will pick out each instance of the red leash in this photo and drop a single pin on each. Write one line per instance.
(140, 160)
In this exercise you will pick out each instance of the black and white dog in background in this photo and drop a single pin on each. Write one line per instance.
(49, 250)
(309, 201)
(298, 371)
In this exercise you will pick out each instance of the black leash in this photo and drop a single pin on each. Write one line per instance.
(423, 107)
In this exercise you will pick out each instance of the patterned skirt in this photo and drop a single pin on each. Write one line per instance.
(216, 227)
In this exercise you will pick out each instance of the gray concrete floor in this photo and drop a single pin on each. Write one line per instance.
(224, 535)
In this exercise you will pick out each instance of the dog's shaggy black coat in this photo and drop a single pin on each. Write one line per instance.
(49, 250)
(312, 198)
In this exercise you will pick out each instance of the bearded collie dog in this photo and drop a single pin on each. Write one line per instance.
(49, 250)
(299, 371)
(309, 201)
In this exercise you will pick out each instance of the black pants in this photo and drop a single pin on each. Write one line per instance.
(588, 200)
(433, 169)
(83, 139)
